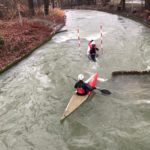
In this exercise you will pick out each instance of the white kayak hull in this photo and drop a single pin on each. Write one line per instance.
(73, 104)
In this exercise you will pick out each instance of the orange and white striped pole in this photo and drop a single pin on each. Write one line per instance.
(101, 39)
(79, 43)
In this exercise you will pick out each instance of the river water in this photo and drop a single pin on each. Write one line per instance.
(35, 92)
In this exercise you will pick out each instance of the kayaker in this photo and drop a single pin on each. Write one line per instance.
(89, 46)
(91, 52)
(82, 88)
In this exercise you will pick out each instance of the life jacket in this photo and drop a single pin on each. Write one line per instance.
(89, 44)
(93, 50)
(89, 47)
(80, 90)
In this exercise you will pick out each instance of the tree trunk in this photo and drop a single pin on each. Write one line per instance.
(31, 7)
(71, 3)
(38, 3)
(53, 3)
(46, 7)
(147, 4)
(1, 42)
(78, 2)
(61, 4)
(122, 3)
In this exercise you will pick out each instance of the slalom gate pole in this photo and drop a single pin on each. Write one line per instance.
(79, 43)
(101, 39)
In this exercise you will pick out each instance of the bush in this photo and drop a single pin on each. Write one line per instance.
(1, 42)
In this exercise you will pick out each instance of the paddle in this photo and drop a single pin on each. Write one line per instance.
(72, 78)
(103, 91)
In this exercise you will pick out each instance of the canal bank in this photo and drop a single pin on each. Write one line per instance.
(19, 40)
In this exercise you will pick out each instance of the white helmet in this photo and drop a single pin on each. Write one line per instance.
(80, 77)
(93, 42)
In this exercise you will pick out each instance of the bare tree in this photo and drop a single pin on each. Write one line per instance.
(53, 3)
(46, 7)
(38, 3)
(31, 7)
(147, 4)
(122, 3)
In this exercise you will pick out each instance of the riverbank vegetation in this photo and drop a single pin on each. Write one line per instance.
(136, 9)
(24, 25)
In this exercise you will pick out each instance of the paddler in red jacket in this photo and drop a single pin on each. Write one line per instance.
(82, 88)
(91, 52)
(89, 47)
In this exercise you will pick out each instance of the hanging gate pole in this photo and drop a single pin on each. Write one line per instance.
(79, 43)
(101, 39)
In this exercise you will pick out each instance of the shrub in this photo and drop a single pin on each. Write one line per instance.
(1, 42)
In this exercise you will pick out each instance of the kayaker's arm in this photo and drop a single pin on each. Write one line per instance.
(76, 85)
(89, 88)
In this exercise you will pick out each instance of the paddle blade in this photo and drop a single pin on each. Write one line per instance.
(72, 78)
(104, 91)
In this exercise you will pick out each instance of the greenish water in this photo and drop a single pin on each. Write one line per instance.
(34, 93)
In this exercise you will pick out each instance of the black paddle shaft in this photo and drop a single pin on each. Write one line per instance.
(104, 91)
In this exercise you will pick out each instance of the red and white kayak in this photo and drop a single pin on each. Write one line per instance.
(77, 100)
